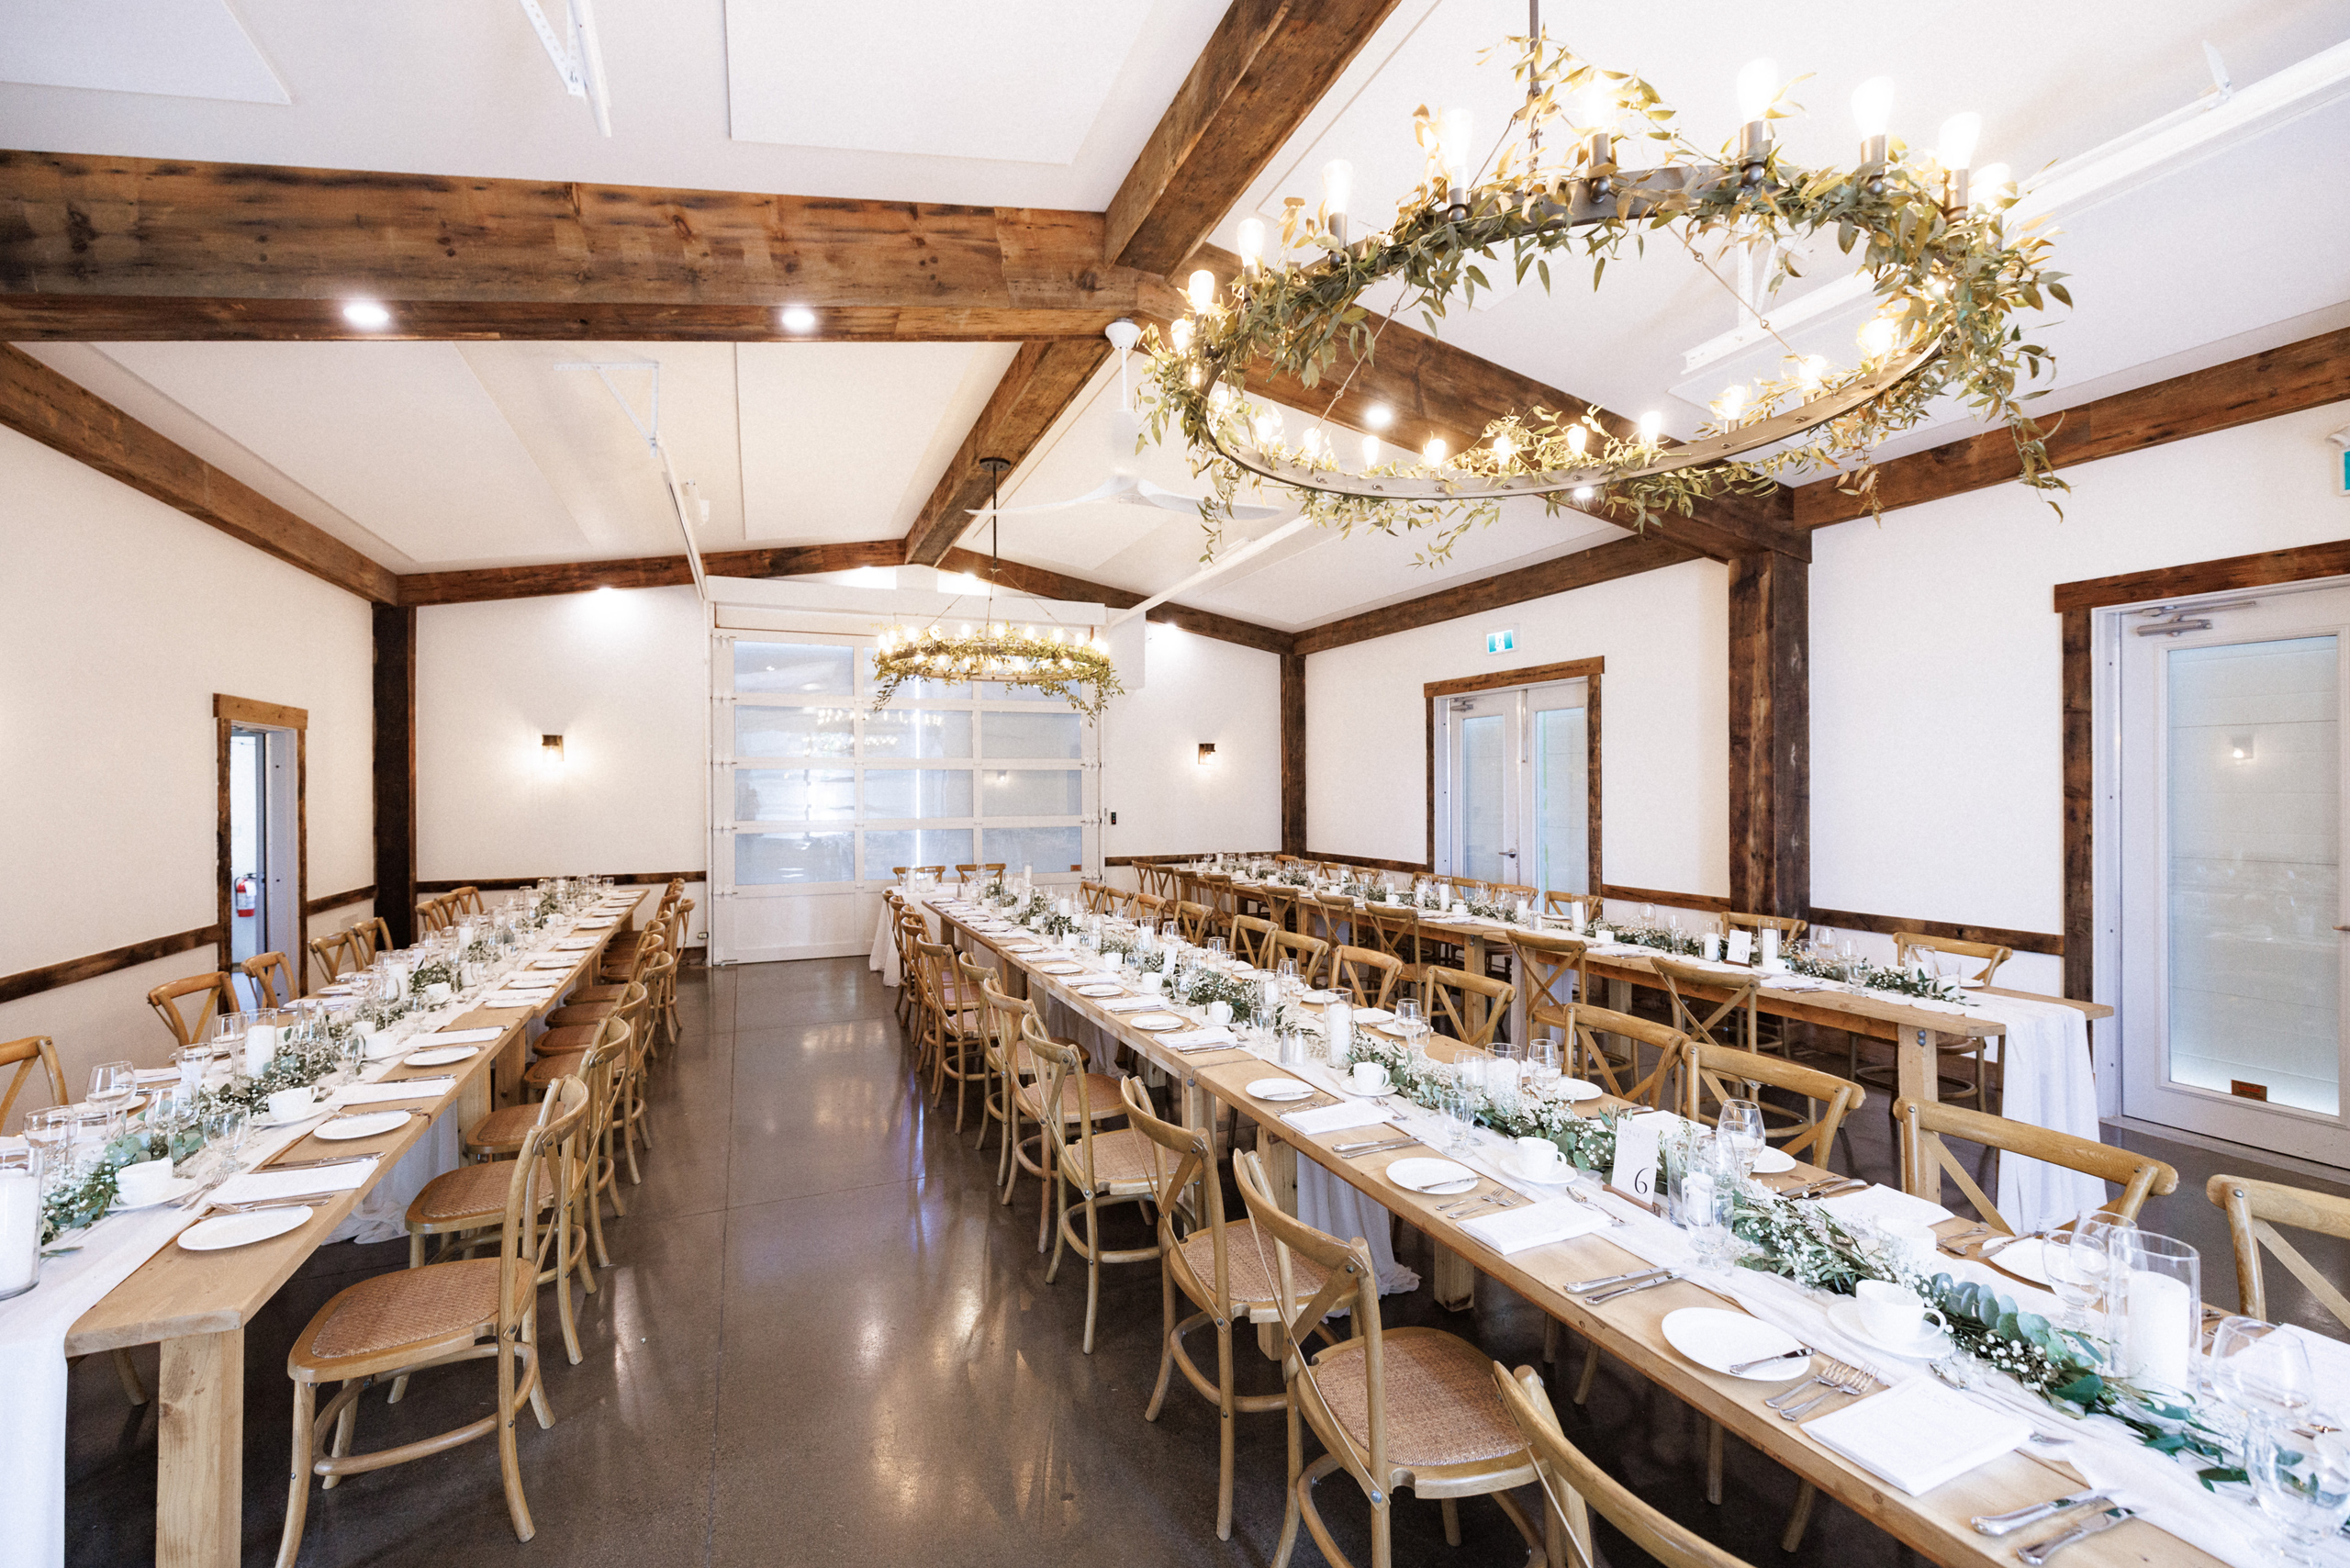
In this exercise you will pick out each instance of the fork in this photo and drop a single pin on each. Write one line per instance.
(1842, 1380)
(1786, 1396)
(1594, 1205)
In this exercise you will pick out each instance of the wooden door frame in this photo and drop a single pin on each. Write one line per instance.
(1587, 670)
(227, 713)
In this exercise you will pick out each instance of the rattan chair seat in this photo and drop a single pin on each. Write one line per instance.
(1122, 1159)
(472, 1193)
(613, 993)
(547, 1069)
(1249, 1256)
(1101, 1091)
(570, 1037)
(1442, 1408)
(575, 1013)
(422, 1309)
(503, 1129)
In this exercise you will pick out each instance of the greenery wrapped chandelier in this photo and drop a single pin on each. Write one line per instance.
(1948, 279)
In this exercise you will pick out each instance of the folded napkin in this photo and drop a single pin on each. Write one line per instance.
(1337, 1118)
(264, 1186)
(1886, 1205)
(1133, 1004)
(1919, 1434)
(156, 1075)
(576, 944)
(1374, 1015)
(459, 1036)
(386, 1092)
(1193, 1039)
(553, 963)
(1535, 1224)
(596, 925)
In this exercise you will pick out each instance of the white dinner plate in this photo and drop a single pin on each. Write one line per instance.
(1100, 988)
(266, 1119)
(1374, 1015)
(1321, 996)
(437, 1056)
(1577, 1090)
(1159, 1023)
(1771, 1161)
(178, 1187)
(242, 1230)
(1717, 1338)
(1845, 1318)
(1060, 969)
(1433, 1176)
(1279, 1089)
(382, 1047)
(372, 1124)
(2026, 1259)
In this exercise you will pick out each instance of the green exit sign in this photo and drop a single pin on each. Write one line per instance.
(2342, 471)
(1501, 641)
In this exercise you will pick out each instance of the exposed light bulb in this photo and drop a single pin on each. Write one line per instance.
(1651, 426)
(1180, 333)
(965, 631)
(1371, 451)
(1578, 437)
(367, 314)
(1269, 427)
(1872, 107)
(1338, 186)
(1455, 131)
(1595, 106)
(1434, 452)
(797, 319)
(1583, 492)
(1378, 416)
(1221, 396)
(1732, 401)
(1251, 236)
(1201, 292)
(1877, 336)
(1758, 83)
(1960, 133)
(1811, 369)
(1990, 183)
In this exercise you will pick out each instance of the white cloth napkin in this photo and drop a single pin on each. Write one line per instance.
(1886, 1205)
(1534, 1225)
(576, 944)
(1337, 1118)
(1133, 1004)
(1193, 1039)
(1919, 1434)
(553, 963)
(266, 1186)
(456, 1037)
(387, 1094)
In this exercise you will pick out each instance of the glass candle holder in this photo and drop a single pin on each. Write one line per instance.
(2154, 1309)
(20, 1196)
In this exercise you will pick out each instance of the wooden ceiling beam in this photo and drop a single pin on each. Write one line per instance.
(1265, 67)
(240, 248)
(2304, 375)
(63, 415)
(1579, 568)
(642, 571)
(1046, 583)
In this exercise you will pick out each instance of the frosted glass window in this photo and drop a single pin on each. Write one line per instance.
(1562, 799)
(917, 732)
(897, 793)
(800, 668)
(1484, 764)
(990, 691)
(767, 860)
(1033, 735)
(2254, 784)
(794, 794)
(1030, 792)
(1042, 850)
(891, 847)
(935, 691)
(794, 732)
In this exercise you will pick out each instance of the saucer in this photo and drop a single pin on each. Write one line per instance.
(271, 1119)
(1844, 1316)
(1771, 1161)
(1558, 1174)
(174, 1191)
(1347, 1086)
(1279, 1089)
(1577, 1090)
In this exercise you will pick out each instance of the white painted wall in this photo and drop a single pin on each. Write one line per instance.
(621, 675)
(1665, 724)
(1937, 775)
(119, 619)
(1195, 689)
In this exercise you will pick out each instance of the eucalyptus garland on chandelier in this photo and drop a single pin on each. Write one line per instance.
(1948, 282)
(1076, 670)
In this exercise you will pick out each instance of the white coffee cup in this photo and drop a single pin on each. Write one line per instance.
(436, 994)
(1219, 1013)
(1368, 1077)
(144, 1182)
(288, 1103)
(1153, 981)
(1911, 1241)
(1539, 1157)
(1892, 1313)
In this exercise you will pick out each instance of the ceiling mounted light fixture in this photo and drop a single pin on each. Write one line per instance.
(797, 319)
(366, 314)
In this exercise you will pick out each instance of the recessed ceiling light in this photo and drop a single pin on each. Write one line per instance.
(1378, 416)
(798, 319)
(366, 313)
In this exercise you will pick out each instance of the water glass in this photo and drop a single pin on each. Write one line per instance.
(1740, 1128)
(227, 1127)
(112, 1084)
(1704, 1210)
(2259, 1371)
(2302, 1483)
(1459, 1105)
(1545, 1062)
(20, 1204)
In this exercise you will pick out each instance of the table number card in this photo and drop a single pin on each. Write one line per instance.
(1741, 947)
(1637, 1139)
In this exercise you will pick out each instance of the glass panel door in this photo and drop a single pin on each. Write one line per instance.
(1559, 751)
(1514, 802)
(1485, 818)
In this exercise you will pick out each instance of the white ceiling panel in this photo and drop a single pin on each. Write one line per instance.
(847, 441)
(402, 438)
(186, 49)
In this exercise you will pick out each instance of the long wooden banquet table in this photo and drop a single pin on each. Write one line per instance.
(196, 1304)
(1627, 1329)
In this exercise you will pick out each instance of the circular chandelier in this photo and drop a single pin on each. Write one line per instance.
(1069, 663)
(1948, 282)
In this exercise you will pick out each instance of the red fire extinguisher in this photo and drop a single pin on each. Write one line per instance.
(248, 898)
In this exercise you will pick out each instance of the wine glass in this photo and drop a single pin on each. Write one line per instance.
(1411, 1023)
(1740, 1128)
(1460, 1104)
(1544, 1059)
(2302, 1483)
(2075, 1266)
(1706, 1189)
(112, 1084)
(2259, 1370)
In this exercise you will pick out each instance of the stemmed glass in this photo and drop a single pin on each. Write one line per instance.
(2260, 1370)
(2080, 1259)
(1543, 1063)
(112, 1084)
(2302, 1483)
(1411, 1023)
(1740, 1128)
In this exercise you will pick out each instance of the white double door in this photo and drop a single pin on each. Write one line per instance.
(1514, 798)
(2232, 769)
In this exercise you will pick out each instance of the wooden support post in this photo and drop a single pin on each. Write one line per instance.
(1292, 754)
(2080, 809)
(396, 770)
(1770, 733)
(199, 1499)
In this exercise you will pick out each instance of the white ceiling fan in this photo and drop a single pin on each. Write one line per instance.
(1123, 487)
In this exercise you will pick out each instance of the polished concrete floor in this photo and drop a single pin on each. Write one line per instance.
(822, 1340)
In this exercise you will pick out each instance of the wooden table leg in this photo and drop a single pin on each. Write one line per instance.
(1473, 959)
(1455, 1285)
(199, 1502)
(1280, 1175)
(1917, 1076)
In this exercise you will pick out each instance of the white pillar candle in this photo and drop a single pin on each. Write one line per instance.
(1770, 947)
(2161, 1320)
(261, 1048)
(1338, 1021)
(19, 1231)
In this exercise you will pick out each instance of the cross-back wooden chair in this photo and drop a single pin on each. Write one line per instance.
(950, 1012)
(272, 978)
(1252, 939)
(1155, 879)
(1733, 1017)
(938, 871)
(1218, 1267)
(1562, 904)
(1196, 921)
(2255, 1210)
(1368, 978)
(1148, 907)
(1281, 905)
(1447, 994)
(1550, 971)
(1013, 1069)
(1391, 929)
(337, 954)
(1925, 1158)
(468, 899)
(212, 995)
(1716, 1073)
(1308, 951)
(996, 1071)
(370, 937)
(1328, 919)
(978, 867)
(1100, 898)
(618, 1119)
(1222, 897)
(1510, 892)
(1586, 1057)
(389, 1325)
(1976, 1051)
(1096, 1165)
(1391, 1407)
(1573, 1487)
(33, 1051)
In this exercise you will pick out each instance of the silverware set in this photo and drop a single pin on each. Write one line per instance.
(1824, 1187)
(2033, 1556)
(1663, 1277)
(1374, 1145)
(1502, 1198)
(1832, 1379)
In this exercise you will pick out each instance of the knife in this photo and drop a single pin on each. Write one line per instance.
(1580, 1286)
(2033, 1556)
(1663, 1279)
(1374, 1147)
(2008, 1524)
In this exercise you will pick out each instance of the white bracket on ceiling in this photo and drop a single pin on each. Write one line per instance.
(578, 57)
(688, 502)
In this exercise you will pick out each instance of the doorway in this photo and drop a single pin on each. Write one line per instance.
(1516, 777)
(262, 836)
(2230, 769)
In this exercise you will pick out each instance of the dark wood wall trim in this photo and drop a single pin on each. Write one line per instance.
(1887, 924)
(1292, 754)
(1524, 674)
(2079, 686)
(1770, 733)
(501, 884)
(72, 971)
(333, 902)
(395, 770)
(1657, 895)
(2265, 568)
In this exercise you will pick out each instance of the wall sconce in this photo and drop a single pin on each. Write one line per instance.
(1207, 753)
(2240, 747)
(551, 751)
